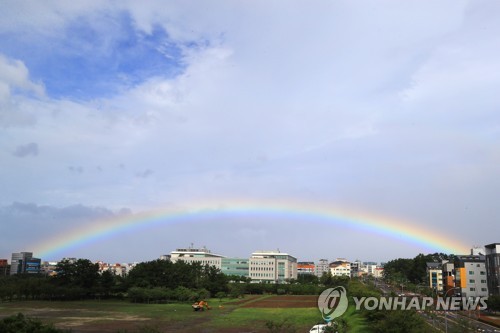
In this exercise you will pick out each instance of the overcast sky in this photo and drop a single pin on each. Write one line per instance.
(391, 107)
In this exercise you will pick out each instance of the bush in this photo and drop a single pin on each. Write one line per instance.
(20, 324)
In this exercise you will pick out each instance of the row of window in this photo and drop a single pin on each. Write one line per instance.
(474, 281)
(474, 289)
(262, 268)
(481, 272)
(268, 275)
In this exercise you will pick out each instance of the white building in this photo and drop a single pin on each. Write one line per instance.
(340, 267)
(272, 266)
(202, 256)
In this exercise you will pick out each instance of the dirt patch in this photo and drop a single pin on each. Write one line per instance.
(288, 301)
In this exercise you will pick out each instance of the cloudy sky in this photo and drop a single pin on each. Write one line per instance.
(119, 107)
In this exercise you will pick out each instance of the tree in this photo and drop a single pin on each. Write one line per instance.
(81, 273)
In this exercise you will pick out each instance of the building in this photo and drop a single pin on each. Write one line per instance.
(435, 276)
(236, 266)
(49, 268)
(448, 273)
(492, 252)
(322, 267)
(379, 272)
(23, 262)
(306, 267)
(340, 267)
(4, 267)
(192, 255)
(470, 276)
(33, 266)
(272, 266)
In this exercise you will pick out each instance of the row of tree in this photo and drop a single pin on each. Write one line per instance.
(153, 281)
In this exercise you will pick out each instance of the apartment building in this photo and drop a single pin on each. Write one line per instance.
(470, 276)
(435, 276)
(322, 267)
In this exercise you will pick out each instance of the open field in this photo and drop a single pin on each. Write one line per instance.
(246, 315)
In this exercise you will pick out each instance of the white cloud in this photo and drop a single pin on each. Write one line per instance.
(388, 106)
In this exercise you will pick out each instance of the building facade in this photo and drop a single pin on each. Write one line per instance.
(306, 267)
(492, 256)
(470, 276)
(272, 266)
(192, 255)
(435, 276)
(340, 267)
(23, 262)
(322, 267)
(236, 266)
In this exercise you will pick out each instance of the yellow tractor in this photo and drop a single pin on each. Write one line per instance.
(200, 306)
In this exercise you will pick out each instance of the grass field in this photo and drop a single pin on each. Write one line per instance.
(247, 315)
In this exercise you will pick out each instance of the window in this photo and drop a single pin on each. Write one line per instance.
(484, 289)
(472, 281)
(471, 272)
(472, 289)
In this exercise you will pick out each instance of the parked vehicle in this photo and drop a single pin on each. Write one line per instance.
(318, 328)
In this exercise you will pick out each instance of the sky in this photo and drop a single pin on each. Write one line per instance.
(116, 108)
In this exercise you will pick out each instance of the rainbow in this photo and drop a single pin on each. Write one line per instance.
(409, 232)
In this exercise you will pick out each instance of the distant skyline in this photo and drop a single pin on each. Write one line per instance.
(115, 109)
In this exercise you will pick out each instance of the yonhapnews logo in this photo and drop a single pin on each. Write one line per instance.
(332, 303)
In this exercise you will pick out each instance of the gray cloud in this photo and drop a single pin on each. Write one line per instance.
(144, 174)
(76, 169)
(26, 150)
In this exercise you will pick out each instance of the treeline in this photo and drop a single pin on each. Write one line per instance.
(153, 281)
(412, 270)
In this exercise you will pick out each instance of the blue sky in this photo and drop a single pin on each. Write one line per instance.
(388, 108)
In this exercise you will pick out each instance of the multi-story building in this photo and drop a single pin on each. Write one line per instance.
(192, 255)
(492, 252)
(272, 266)
(306, 267)
(435, 276)
(340, 267)
(236, 266)
(378, 273)
(24, 262)
(322, 267)
(470, 276)
(4, 267)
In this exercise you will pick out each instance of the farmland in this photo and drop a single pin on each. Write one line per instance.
(244, 315)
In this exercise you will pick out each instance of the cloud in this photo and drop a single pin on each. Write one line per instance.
(26, 150)
(76, 169)
(389, 107)
(14, 82)
(144, 174)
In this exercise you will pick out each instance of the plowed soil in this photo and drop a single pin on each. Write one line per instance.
(288, 301)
